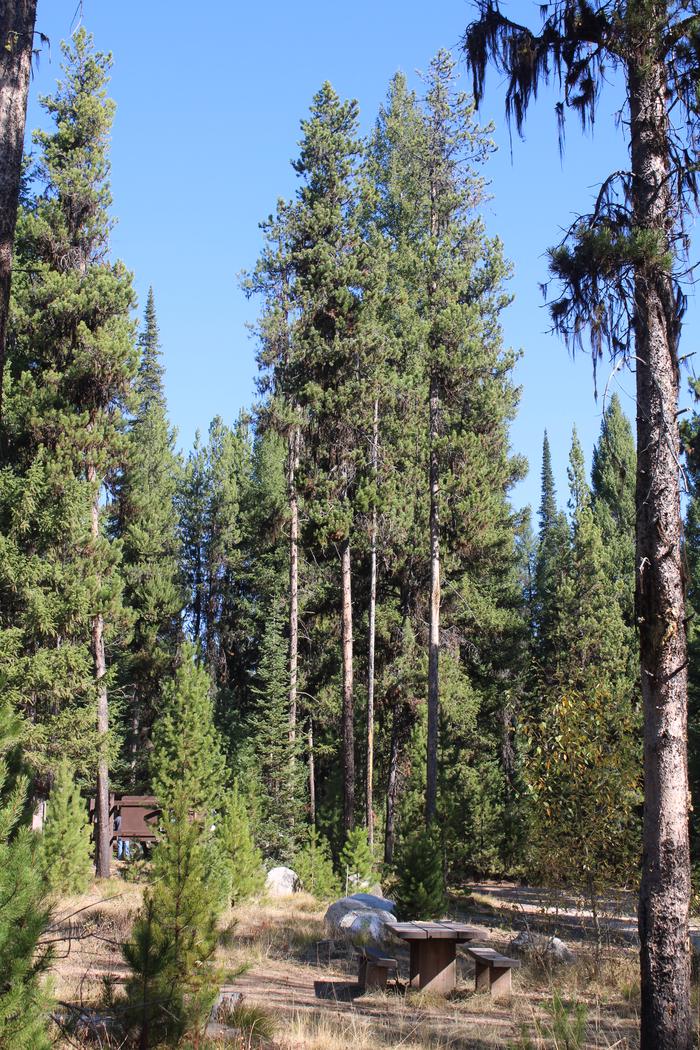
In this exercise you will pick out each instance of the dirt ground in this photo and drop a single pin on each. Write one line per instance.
(278, 956)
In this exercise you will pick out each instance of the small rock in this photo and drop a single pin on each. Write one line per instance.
(281, 882)
(528, 943)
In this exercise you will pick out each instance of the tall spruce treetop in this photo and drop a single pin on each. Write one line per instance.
(149, 382)
(620, 270)
(548, 501)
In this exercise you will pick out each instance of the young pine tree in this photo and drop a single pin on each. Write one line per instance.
(175, 937)
(66, 845)
(314, 866)
(421, 888)
(356, 861)
(274, 749)
(24, 915)
(241, 856)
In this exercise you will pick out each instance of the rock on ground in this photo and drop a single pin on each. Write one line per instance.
(281, 882)
(552, 948)
(361, 919)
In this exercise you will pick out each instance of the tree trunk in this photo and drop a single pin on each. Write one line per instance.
(293, 462)
(312, 776)
(434, 637)
(392, 787)
(348, 706)
(103, 846)
(372, 634)
(665, 886)
(17, 19)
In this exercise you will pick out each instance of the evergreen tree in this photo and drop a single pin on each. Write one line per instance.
(551, 559)
(630, 249)
(274, 750)
(314, 866)
(175, 934)
(612, 483)
(421, 888)
(145, 519)
(24, 915)
(187, 757)
(69, 380)
(242, 856)
(331, 289)
(452, 371)
(66, 845)
(356, 860)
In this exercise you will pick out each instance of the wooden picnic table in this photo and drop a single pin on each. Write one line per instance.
(433, 948)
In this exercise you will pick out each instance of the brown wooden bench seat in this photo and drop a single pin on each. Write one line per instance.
(374, 969)
(493, 971)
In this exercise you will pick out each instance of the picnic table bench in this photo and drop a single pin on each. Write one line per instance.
(493, 971)
(433, 948)
(374, 968)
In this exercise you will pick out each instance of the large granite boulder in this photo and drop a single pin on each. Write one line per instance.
(281, 882)
(361, 919)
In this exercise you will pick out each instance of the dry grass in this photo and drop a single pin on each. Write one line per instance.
(277, 955)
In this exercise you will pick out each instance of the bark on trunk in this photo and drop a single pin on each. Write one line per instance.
(17, 19)
(372, 633)
(348, 716)
(392, 787)
(103, 846)
(312, 776)
(434, 636)
(293, 454)
(665, 885)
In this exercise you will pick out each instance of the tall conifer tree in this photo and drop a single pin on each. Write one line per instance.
(144, 517)
(70, 377)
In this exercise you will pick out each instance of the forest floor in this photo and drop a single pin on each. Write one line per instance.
(278, 956)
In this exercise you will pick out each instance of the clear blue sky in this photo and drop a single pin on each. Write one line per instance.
(209, 100)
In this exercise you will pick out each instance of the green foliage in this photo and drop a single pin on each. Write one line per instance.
(314, 866)
(66, 846)
(420, 891)
(187, 758)
(584, 774)
(565, 1030)
(144, 518)
(68, 381)
(24, 915)
(175, 935)
(356, 861)
(276, 753)
(243, 858)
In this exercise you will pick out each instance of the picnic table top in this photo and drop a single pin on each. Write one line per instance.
(428, 931)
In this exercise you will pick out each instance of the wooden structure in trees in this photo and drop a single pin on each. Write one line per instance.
(140, 815)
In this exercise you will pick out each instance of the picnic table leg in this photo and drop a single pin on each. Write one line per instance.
(434, 969)
(414, 964)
